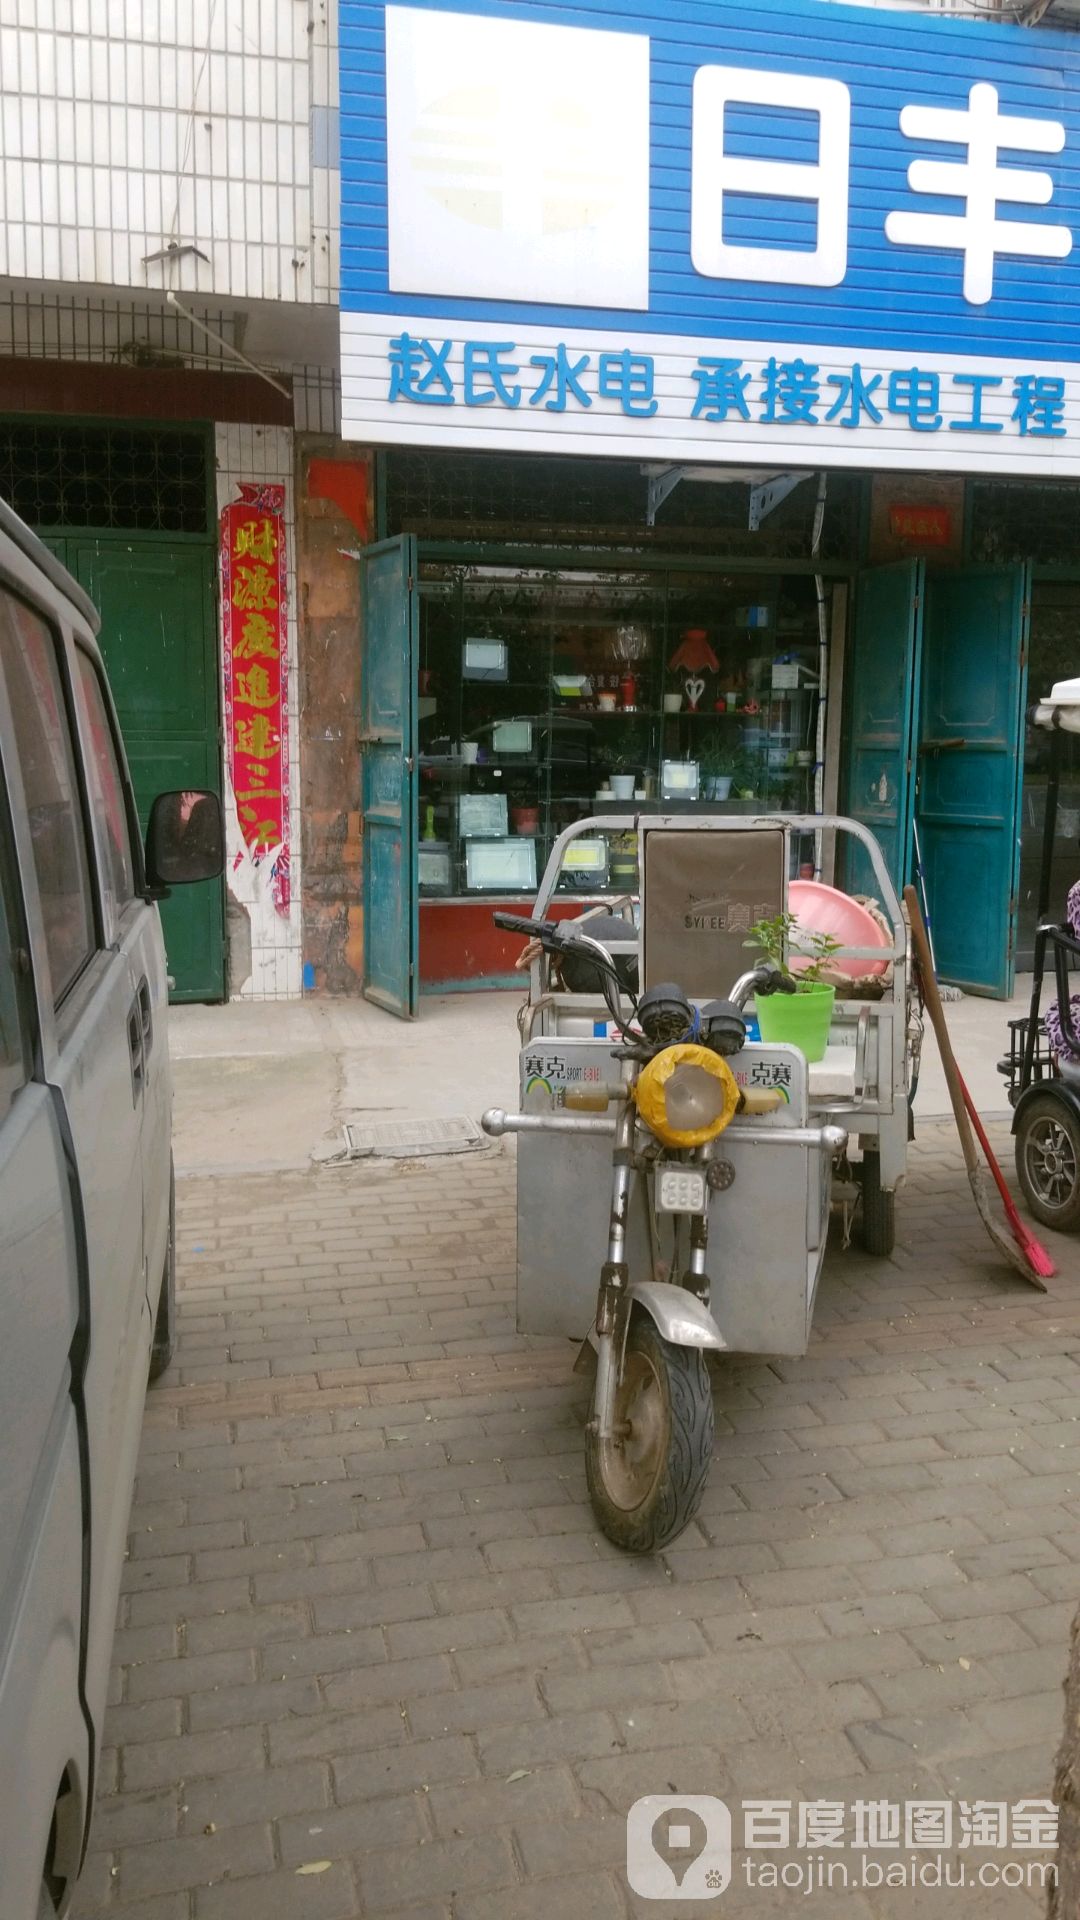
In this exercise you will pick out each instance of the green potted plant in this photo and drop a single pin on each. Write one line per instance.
(624, 762)
(747, 774)
(800, 1019)
(718, 763)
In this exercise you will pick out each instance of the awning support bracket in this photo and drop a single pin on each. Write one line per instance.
(769, 495)
(661, 485)
(766, 490)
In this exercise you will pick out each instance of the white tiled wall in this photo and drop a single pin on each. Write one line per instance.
(325, 181)
(134, 128)
(266, 454)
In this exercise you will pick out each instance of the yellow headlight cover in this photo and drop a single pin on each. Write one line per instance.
(655, 1094)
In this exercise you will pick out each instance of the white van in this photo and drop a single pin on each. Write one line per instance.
(87, 1285)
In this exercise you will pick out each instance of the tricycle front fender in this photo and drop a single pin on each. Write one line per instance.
(679, 1315)
(1058, 1090)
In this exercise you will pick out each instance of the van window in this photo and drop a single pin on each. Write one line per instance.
(14, 1039)
(47, 761)
(107, 789)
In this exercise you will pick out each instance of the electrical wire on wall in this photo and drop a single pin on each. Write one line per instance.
(189, 134)
(823, 666)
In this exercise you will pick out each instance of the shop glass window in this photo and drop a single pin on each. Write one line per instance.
(107, 790)
(47, 762)
(546, 696)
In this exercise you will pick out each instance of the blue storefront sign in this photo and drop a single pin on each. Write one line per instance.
(807, 233)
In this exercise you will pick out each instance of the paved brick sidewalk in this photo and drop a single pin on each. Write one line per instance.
(368, 1620)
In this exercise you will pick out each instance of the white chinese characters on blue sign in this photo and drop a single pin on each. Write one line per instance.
(979, 234)
(716, 173)
(982, 184)
(806, 232)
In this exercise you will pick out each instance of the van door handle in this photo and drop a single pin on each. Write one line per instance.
(146, 1017)
(135, 1048)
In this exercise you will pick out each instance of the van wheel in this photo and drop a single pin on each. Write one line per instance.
(165, 1325)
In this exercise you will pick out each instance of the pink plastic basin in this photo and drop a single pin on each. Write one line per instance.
(821, 909)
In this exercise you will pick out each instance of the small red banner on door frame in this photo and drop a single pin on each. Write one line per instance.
(929, 526)
(253, 587)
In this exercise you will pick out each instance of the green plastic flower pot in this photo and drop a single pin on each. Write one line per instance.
(799, 1019)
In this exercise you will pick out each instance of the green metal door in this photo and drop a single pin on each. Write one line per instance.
(156, 598)
(882, 705)
(970, 770)
(389, 779)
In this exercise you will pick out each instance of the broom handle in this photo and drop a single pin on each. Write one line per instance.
(941, 1032)
(920, 875)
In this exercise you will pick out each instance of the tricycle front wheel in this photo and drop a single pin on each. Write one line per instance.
(646, 1484)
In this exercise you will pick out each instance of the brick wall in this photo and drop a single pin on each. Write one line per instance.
(335, 506)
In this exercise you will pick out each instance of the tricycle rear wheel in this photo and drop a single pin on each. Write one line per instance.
(1048, 1161)
(878, 1210)
(647, 1485)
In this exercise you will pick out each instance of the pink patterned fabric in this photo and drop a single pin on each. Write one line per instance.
(1053, 1016)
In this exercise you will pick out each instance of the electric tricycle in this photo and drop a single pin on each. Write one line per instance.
(655, 1122)
(668, 1078)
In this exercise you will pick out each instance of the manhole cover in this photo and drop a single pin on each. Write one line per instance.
(412, 1139)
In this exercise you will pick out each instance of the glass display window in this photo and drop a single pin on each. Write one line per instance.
(546, 696)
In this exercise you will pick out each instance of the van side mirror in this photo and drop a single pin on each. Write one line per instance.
(185, 840)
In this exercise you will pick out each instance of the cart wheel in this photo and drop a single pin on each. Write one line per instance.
(878, 1209)
(1048, 1162)
(646, 1485)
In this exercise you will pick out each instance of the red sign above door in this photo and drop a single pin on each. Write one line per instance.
(923, 526)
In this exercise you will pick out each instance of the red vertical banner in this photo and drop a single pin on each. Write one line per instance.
(253, 588)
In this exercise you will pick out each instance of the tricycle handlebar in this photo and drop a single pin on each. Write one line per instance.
(496, 1122)
(520, 923)
(558, 936)
(765, 979)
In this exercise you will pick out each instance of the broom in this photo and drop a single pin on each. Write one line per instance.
(1023, 1251)
(1033, 1250)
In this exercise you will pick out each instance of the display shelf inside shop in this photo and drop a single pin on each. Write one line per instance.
(522, 656)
